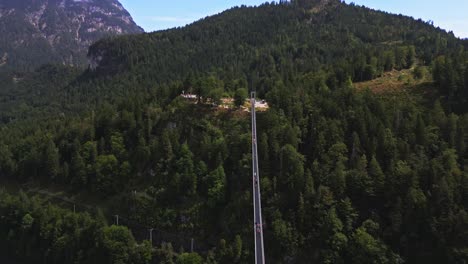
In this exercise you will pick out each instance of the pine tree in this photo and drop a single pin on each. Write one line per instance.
(460, 139)
(420, 131)
(239, 97)
(78, 169)
(291, 168)
(7, 162)
(185, 168)
(377, 176)
(51, 160)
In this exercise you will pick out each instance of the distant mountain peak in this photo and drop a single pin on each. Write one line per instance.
(58, 31)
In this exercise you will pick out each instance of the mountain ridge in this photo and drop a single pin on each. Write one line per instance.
(311, 37)
(57, 31)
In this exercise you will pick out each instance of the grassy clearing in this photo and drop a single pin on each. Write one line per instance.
(403, 85)
(397, 81)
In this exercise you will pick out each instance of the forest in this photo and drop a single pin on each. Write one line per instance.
(347, 175)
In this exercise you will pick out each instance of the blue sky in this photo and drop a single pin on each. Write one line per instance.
(159, 14)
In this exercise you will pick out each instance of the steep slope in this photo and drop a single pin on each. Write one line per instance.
(328, 42)
(288, 38)
(35, 32)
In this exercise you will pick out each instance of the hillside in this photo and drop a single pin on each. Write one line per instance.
(362, 152)
(343, 39)
(337, 42)
(36, 32)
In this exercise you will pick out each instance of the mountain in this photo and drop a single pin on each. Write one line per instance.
(300, 37)
(349, 173)
(36, 32)
(327, 40)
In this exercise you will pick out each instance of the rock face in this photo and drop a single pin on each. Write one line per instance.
(34, 32)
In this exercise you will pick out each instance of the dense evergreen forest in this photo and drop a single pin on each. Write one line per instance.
(347, 175)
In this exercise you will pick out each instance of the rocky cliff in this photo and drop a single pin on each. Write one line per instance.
(34, 32)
